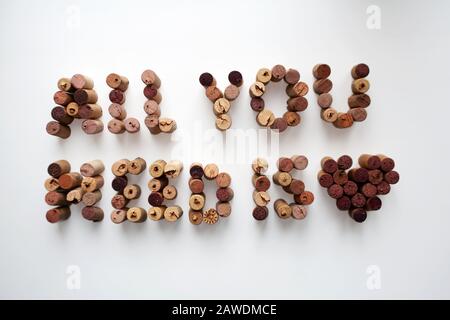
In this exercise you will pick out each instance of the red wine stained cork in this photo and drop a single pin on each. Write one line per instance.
(282, 209)
(265, 118)
(261, 183)
(375, 176)
(335, 191)
(322, 86)
(292, 76)
(391, 177)
(206, 79)
(350, 188)
(75, 195)
(369, 161)
(152, 93)
(361, 70)
(231, 92)
(235, 78)
(261, 198)
(152, 123)
(58, 214)
(325, 100)
(156, 213)
(196, 170)
(167, 125)
(92, 168)
(197, 201)
(84, 96)
(260, 213)
(321, 71)
(344, 120)
(344, 162)
(173, 168)
(120, 167)
(136, 166)
(260, 165)
(72, 110)
(383, 188)
(91, 213)
(329, 115)
(156, 169)
(221, 106)
(223, 209)
(117, 96)
(369, 190)
(58, 168)
(360, 86)
(264, 75)
(90, 111)
(91, 198)
(359, 175)
(279, 124)
(119, 183)
(149, 77)
(387, 164)
(343, 203)
(358, 200)
(223, 180)
(213, 93)
(115, 81)
(55, 128)
(92, 126)
(373, 204)
(299, 89)
(325, 179)
(358, 214)
(296, 187)
(155, 199)
(132, 191)
(223, 122)
(257, 89)
(358, 114)
(329, 165)
(210, 216)
(359, 101)
(59, 114)
(195, 217)
(80, 81)
(224, 194)
(304, 198)
(282, 178)
(299, 211)
(297, 104)
(211, 171)
(158, 184)
(116, 126)
(152, 108)
(62, 98)
(340, 177)
(257, 104)
(278, 73)
(51, 184)
(119, 215)
(70, 180)
(300, 162)
(55, 198)
(65, 85)
(136, 215)
(285, 164)
(196, 185)
(173, 213)
(169, 192)
(90, 184)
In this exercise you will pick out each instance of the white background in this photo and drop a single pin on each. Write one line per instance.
(325, 256)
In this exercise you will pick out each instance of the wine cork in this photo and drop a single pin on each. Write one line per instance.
(211, 171)
(285, 164)
(117, 111)
(152, 123)
(350, 188)
(173, 213)
(116, 126)
(65, 85)
(152, 108)
(329, 115)
(58, 168)
(359, 175)
(369, 190)
(325, 179)
(292, 76)
(196, 170)
(322, 86)
(260, 213)
(119, 183)
(300, 162)
(210, 216)
(92, 126)
(344, 120)
(221, 106)
(375, 176)
(369, 162)
(91, 213)
(304, 198)
(264, 75)
(62, 98)
(136, 166)
(261, 198)
(360, 86)
(265, 118)
(391, 177)
(206, 79)
(59, 114)
(72, 109)
(196, 185)
(340, 177)
(197, 201)
(169, 192)
(90, 111)
(235, 78)
(132, 191)
(156, 169)
(361, 70)
(70, 180)
(373, 204)
(223, 180)
(92, 168)
(383, 188)
(343, 203)
(231, 92)
(295, 187)
(167, 125)
(335, 191)
(80, 81)
(321, 71)
(279, 124)
(158, 184)
(298, 89)
(120, 167)
(260, 166)
(115, 81)
(358, 114)
(213, 93)
(359, 101)
(58, 214)
(282, 178)
(223, 208)
(156, 213)
(152, 93)
(90, 184)
(224, 194)
(297, 104)
(299, 212)
(91, 198)
(119, 215)
(257, 89)
(261, 183)
(387, 164)
(344, 162)
(51, 184)
(155, 199)
(84, 96)
(195, 217)
(358, 214)
(75, 195)
(257, 104)
(292, 118)
(358, 200)
(136, 215)
(278, 73)
(173, 168)
(329, 165)
(57, 129)
(55, 198)
(325, 100)
(282, 209)
(223, 122)
(149, 77)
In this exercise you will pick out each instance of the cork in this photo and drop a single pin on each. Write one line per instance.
(92, 126)
(167, 125)
(210, 216)
(156, 213)
(213, 93)
(57, 129)
(360, 70)
(297, 104)
(117, 111)
(152, 108)
(375, 176)
(325, 100)
(325, 179)
(358, 114)
(223, 208)
(383, 188)
(211, 171)
(257, 104)
(278, 73)
(58, 168)
(221, 106)
(224, 194)
(300, 162)
(75, 195)
(90, 184)
(196, 170)
(65, 85)
(359, 175)
(387, 164)
(296, 187)
(292, 76)
(257, 89)
(156, 169)
(235, 78)
(350, 188)
(158, 184)
(169, 192)
(152, 123)
(55, 198)
(358, 214)
(72, 109)
(340, 177)
(58, 214)
(223, 180)
(344, 162)
(132, 191)
(59, 114)
(322, 86)
(92, 213)
(80, 81)
(292, 118)
(260, 166)
(117, 96)
(358, 200)
(152, 93)
(155, 199)
(120, 167)
(369, 162)
(51, 184)
(84, 96)
(391, 177)
(344, 120)
(195, 217)
(173, 213)
(321, 71)
(261, 198)
(197, 201)
(119, 183)
(115, 81)
(91, 198)
(261, 183)
(369, 190)
(282, 178)
(285, 164)
(360, 86)
(265, 118)
(206, 79)
(373, 204)
(282, 209)
(62, 98)
(298, 89)
(196, 185)
(328, 165)
(231, 92)
(359, 101)
(92, 168)
(119, 215)
(90, 111)
(136, 215)
(223, 122)
(304, 198)
(343, 203)
(70, 180)
(260, 213)
(279, 124)
(173, 168)
(116, 126)
(335, 191)
(136, 166)
(149, 77)
(264, 75)
(329, 115)
(299, 212)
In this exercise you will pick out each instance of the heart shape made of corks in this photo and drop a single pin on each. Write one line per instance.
(357, 189)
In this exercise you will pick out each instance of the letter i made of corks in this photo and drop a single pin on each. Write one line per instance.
(261, 183)
(162, 190)
(358, 189)
(120, 122)
(357, 102)
(65, 188)
(153, 121)
(197, 200)
(222, 100)
(75, 98)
